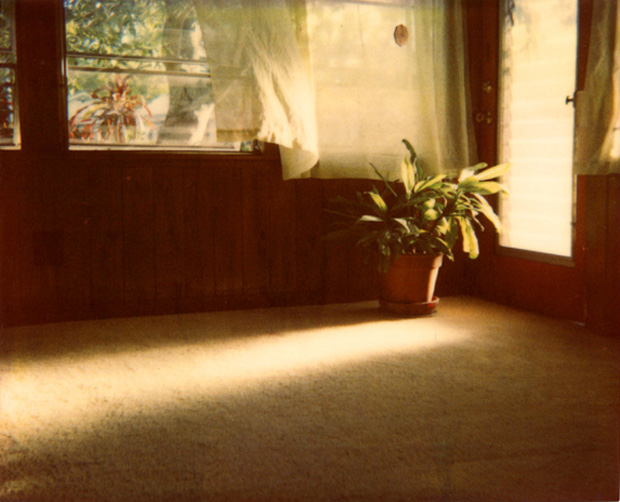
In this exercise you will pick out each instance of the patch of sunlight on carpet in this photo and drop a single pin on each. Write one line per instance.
(47, 396)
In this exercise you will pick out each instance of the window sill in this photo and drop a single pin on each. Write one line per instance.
(523, 254)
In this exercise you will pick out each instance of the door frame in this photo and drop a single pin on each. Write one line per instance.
(520, 279)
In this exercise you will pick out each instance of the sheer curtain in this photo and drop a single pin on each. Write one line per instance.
(372, 93)
(258, 56)
(326, 80)
(598, 105)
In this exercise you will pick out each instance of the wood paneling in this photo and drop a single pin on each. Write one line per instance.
(138, 235)
(602, 249)
(228, 230)
(256, 221)
(310, 249)
(143, 234)
(198, 221)
(169, 232)
(105, 223)
(282, 234)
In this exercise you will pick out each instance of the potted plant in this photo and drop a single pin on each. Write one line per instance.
(412, 223)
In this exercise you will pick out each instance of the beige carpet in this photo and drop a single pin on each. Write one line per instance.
(480, 403)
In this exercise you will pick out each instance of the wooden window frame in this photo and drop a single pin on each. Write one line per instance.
(41, 88)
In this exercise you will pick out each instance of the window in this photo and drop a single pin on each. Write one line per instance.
(137, 76)
(8, 118)
(537, 124)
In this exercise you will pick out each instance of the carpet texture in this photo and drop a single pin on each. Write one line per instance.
(321, 403)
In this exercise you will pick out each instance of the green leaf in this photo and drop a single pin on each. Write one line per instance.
(385, 181)
(407, 174)
(369, 217)
(478, 166)
(379, 202)
(421, 185)
(470, 242)
(466, 174)
(452, 234)
(492, 172)
(472, 185)
(403, 223)
(486, 209)
(412, 153)
(490, 187)
(430, 215)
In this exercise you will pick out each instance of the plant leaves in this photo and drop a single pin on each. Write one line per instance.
(492, 172)
(470, 242)
(369, 217)
(421, 185)
(379, 202)
(486, 209)
(407, 175)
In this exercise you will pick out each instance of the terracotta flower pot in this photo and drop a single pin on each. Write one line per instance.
(409, 284)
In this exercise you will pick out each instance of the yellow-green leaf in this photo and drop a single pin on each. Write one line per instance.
(486, 209)
(421, 185)
(470, 242)
(407, 174)
(492, 172)
(379, 202)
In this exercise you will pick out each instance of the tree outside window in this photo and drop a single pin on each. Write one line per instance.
(137, 75)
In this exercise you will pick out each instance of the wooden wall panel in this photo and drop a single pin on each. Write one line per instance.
(602, 242)
(228, 229)
(169, 234)
(72, 275)
(256, 245)
(138, 236)
(336, 258)
(102, 234)
(363, 276)
(309, 213)
(42, 237)
(198, 221)
(11, 239)
(612, 253)
(282, 234)
(105, 202)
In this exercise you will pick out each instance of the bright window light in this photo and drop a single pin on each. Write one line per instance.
(539, 50)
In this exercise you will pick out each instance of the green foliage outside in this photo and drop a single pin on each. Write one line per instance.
(6, 24)
(135, 29)
(114, 27)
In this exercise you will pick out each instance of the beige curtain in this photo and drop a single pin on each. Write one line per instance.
(598, 105)
(372, 93)
(326, 80)
(258, 57)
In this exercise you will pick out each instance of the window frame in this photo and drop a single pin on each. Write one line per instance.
(526, 254)
(41, 86)
(11, 64)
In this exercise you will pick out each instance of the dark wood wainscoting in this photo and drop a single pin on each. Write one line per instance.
(103, 234)
(602, 249)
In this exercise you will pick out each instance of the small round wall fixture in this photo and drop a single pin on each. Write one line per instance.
(401, 35)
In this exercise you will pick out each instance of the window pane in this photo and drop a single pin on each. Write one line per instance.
(8, 119)
(536, 129)
(137, 75)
